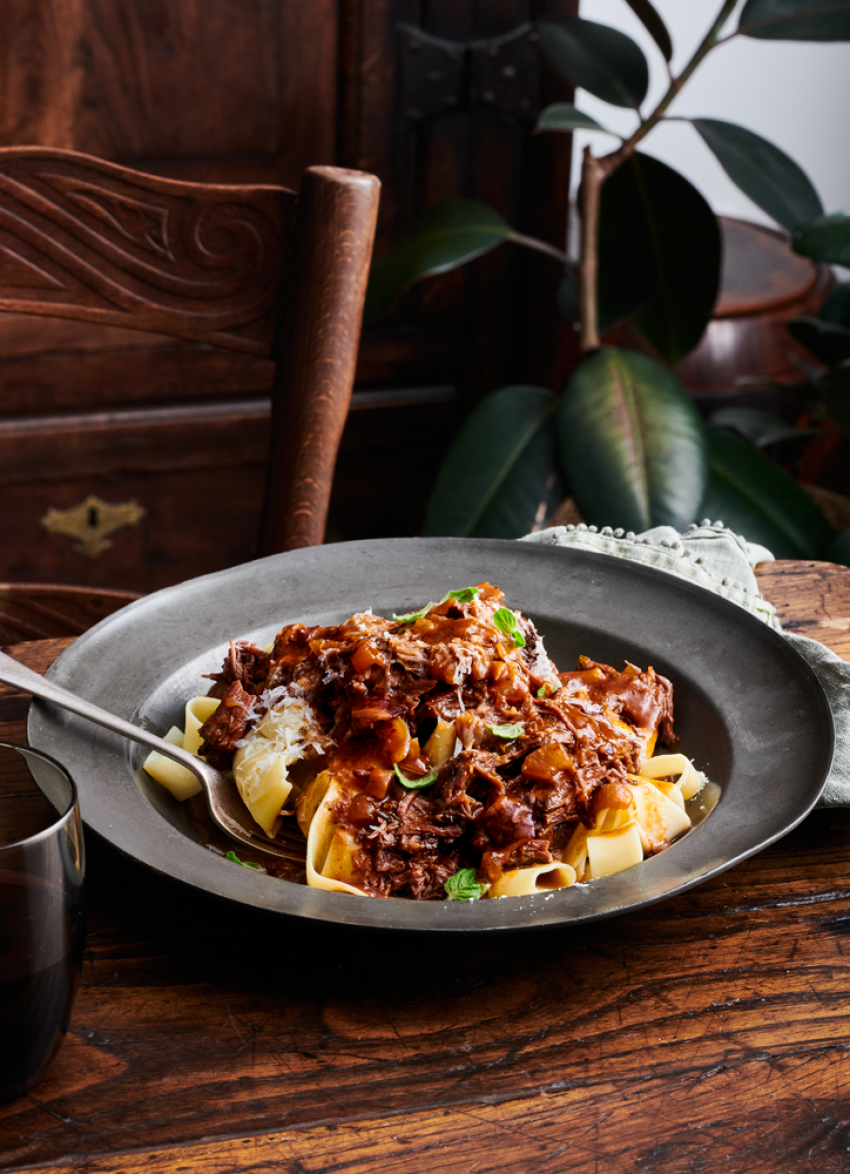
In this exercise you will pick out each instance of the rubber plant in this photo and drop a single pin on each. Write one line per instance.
(623, 436)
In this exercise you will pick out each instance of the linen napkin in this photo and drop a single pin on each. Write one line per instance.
(721, 561)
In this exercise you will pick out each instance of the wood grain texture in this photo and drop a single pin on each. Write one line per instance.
(54, 365)
(152, 554)
(239, 90)
(82, 238)
(35, 611)
(709, 1032)
(199, 474)
(811, 599)
(337, 212)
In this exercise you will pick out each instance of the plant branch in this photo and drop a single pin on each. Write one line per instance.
(595, 171)
(531, 242)
(592, 177)
(611, 162)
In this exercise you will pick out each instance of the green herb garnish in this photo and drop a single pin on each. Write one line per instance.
(506, 622)
(245, 863)
(464, 887)
(415, 784)
(546, 688)
(510, 731)
(412, 615)
(463, 595)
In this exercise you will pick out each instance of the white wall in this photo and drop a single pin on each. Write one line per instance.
(795, 94)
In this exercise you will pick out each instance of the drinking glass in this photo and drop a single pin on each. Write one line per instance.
(42, 912)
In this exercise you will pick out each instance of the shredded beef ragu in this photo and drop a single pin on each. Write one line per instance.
(380, 687)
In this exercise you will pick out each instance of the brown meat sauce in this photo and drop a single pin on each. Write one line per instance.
(381, 688)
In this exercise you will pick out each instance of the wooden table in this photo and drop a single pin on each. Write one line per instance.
(709, 1032)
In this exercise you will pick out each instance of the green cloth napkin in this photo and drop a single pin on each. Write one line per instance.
(721, 561)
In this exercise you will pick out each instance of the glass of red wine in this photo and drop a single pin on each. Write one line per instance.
(42, 913)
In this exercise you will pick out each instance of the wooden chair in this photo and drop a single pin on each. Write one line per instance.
(257, 269)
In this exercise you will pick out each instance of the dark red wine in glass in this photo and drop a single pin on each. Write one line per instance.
(42, 913)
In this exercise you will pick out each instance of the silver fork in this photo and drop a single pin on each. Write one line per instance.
(223, 802)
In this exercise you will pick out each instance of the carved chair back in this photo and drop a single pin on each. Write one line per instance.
(257, 269)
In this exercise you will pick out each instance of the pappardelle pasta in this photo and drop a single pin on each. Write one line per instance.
(440, 754)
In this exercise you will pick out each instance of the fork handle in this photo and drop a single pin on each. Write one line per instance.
(23, 678)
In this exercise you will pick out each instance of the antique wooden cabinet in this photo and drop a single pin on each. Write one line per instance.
(134, 461)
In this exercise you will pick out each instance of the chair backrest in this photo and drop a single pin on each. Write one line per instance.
(253, 268)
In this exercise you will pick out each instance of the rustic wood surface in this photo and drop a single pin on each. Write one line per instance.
(708, 1032)
(38, 611)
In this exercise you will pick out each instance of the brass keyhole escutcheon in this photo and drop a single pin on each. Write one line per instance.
(91, 522)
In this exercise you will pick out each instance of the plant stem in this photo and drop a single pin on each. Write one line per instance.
(595, 171)
(531, 242)
(612, 162)
(592, 177)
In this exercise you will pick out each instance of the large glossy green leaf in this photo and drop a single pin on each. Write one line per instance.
(826, 239)
(632, 443)
(565, 116)
(827, 341)
(755, 497)
(627, 280)
(796, 20)
(448, 235)
(501, 475)
(651, 20)
(764, 173)
(659, 246)
(596, 57)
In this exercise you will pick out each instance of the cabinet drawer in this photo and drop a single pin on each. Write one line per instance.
(196, 473)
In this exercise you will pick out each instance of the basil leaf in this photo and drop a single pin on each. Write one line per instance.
(465, 595)
(462, 595)
(506, 622)
(464, 887)
(415, 784)
(509, 731)
(412, 615)
(245, 863)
